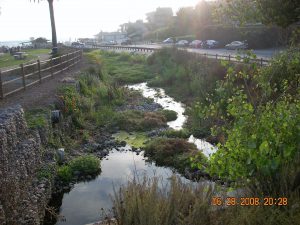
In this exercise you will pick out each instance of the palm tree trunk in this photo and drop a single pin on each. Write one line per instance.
(54, 38)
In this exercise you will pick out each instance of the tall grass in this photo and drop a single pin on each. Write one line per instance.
(150, 202)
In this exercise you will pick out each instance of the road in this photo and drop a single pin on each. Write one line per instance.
(261, 53)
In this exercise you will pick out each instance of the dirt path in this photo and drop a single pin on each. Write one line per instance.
(44, 94)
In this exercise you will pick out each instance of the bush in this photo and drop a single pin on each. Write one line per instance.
(183, 133)
(65, 173)
(132, 120)
(171, 152)
(86, 165)
(170, 115)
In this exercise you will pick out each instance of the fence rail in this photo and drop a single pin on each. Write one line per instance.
(19, 78)
(230, 58)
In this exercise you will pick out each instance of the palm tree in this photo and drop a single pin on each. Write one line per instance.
(53, 28)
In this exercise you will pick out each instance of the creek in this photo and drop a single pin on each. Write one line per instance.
(83, 204)
(159, 96)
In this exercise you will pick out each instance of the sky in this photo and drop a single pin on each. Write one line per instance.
(22, 19)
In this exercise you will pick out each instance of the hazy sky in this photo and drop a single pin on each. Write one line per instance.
(21, 19)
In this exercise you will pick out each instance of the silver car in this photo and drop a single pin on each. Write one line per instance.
(236, 45)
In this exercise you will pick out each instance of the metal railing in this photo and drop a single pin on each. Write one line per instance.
(230, 58)
(19, 78)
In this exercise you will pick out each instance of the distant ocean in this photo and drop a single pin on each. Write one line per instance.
(11, 43)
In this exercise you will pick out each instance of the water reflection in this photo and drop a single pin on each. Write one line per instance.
(83, 204)
(159, 96)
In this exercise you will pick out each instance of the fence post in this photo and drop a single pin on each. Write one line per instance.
(67, 61)
(261, 62)
(61, 64)
(23, 75)
(1, 87)
(39, 68)
(216, 56)
(229, 58)
(51, 67)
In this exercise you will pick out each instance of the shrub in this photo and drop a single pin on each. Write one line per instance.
(171, 152)
(86, 165)
(65, 173)
(133, 120)
(170, 115)
(183, 133)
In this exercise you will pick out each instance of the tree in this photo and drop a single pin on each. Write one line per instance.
(281, 13)
(275, 12)
(185, 20)
(53, 28)
(159, 18)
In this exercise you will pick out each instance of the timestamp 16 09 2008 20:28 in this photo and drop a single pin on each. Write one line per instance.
(249, 201)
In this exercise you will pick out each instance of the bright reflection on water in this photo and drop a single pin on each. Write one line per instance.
(159, 96)
(84, 202)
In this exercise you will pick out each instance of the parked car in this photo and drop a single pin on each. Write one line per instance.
(196, 44)
(236, 45)
(126, 41)
(210, 44)
(112, 43)
(182, 43)
(168, 41)
(77, 45)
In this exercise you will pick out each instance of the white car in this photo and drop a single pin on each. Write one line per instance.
(182, 43)
(168, 41)
(236, 45)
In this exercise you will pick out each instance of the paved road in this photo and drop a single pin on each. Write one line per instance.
(262, 53)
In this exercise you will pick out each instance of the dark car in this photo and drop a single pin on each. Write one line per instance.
(210, 44)
(126, 42)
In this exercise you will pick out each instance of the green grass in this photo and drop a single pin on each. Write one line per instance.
(132, 120)
(36, 118)
(136, 139)
(84, 165)
(123, 68)
(150, 201)
(7, 60)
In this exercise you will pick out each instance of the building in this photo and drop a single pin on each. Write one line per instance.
(110, 36)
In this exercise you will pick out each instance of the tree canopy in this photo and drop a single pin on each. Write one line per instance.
(274, 12)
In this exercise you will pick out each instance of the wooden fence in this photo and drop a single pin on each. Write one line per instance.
(19, 78)
(230, 58)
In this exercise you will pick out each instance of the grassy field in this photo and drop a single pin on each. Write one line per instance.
(6, 60)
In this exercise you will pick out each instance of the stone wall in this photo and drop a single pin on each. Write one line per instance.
(23, 197)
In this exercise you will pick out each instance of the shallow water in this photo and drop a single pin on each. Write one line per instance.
(159, 96)
(82, 205)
